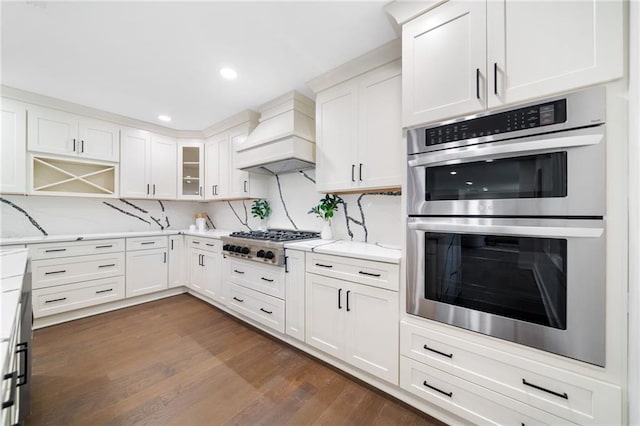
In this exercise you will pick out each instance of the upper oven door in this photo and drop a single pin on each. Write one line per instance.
(558, 174)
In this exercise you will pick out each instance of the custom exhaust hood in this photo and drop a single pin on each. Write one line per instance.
(284, 140)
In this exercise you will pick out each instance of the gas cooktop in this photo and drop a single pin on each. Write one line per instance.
(277, 235)
(263, 246)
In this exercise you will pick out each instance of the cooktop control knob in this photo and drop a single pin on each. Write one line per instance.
(269, 255)
(237, 249)
(226, 247)
(245, 250)
(260, 253)
(231, 247)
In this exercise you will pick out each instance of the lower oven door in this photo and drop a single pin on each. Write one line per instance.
(538, 282)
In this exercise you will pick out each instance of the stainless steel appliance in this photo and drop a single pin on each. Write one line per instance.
(506, 234)
(263, 246)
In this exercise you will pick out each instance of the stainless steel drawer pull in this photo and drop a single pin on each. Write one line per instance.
(196, 242)
(266, 279)
(560, 395)
(55, 300)
(107, 246)
(438, 352)
(54, 250)
(265, 311)
(55, 272)
(369, 274)
(449, 394)
(104, 291)
(210, 245)
(147, 242)
(106, 266)
(238, 272)
(239, 300)
(323, 265)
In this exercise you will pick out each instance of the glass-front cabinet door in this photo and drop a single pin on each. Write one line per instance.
(190, 164)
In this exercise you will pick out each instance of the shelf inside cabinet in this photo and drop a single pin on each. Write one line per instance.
(52, 175)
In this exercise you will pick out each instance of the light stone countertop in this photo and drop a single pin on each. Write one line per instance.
(355, 249)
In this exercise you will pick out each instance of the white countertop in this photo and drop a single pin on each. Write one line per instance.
(355, 249)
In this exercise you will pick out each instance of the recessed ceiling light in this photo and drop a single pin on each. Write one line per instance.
(453, 172)
(164, 118)
(228, 73)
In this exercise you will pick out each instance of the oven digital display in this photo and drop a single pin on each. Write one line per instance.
(510, 121)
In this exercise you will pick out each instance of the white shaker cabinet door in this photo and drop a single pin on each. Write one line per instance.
(212, 181)
(196, 270)
(163, 168)
(52, 131)
(546, 47)
(13, 147)
(212, 281)
(444, 63)
(177, 260)
(135, 163)
(325, 314)
(99, 140)
(146, 271)
(294, 291)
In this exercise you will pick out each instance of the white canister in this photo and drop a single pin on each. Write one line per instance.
(200, 223)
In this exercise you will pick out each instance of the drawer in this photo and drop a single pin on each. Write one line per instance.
(264, 309)
(209, 244)
(53, 272)
(75, 248)
(375, 274)
(145, 243)
(54, 300)
(267, 279)
(565, 394)
(472, 402)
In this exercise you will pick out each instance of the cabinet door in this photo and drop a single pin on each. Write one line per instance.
(13, 147)
(325, 307)
(196, 270)
(176, 261)
(134, 165)
(240, 182)
(52, 131)
(99, 140)
(542, 48)
(380, 151)
(212, 287)
(163, 168)
(444, 63)
(216, 166)
(373, 330)
(190, 170)
(146, 271)
(336, 137)
(294, 294)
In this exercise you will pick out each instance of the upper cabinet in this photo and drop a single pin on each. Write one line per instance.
(359, 132)
(190, 170)
(148, 165)
(462, 57)
(13, 147)
(57, 132)
(216, 152)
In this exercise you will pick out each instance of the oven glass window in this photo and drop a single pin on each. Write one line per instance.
(531, 176)
(522, 278)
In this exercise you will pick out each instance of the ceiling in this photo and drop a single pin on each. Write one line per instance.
(142, 59)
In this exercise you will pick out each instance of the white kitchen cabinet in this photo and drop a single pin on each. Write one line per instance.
(216, 155)
(148, 165)
(462, 57)
(355, 323)
(294, 293)
(196, 272)
(147, 268)
(177, 261)
(13, 178)
(190, 170)
(359, 132)
(243, 184)
(58, 132)
(205, 268)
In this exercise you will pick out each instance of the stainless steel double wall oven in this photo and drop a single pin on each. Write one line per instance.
(506, 232)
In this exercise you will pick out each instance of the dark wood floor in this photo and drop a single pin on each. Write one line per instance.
(181, 361)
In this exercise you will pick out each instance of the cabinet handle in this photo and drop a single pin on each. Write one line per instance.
(53, 250)
(266, 279)
(210, 245)
(323, 265)
(147, 243)
(12, 393)
(348, 291)
(265, 311)
(202, 259)
(438, 352)
(81, 147)
(171, 244)
(560, 395)
(495, 78)
(154, 189)
(23, 349)
(106, 266)
(196, 242)
(55, 272)
(200, 191)
(339, 298)
(449, 394)
(165, 257)
(239, 300)
(245, 186)
(238, 272)
(107, 246)
(360, 172)
(147, 189)
(478, 83)
(369, 274)
(55, 300)
(286, 269)
(213, 190)
(74, 145)
(353, 171)
(104, 291)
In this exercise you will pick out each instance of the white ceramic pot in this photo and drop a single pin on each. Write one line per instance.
(326, 233)
(262, 226)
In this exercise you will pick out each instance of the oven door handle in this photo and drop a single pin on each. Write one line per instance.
(473, 227)
(489, 150)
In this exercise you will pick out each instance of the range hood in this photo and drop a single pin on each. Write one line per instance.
(284, 140)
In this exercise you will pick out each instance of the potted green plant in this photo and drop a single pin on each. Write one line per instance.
(261, 209)
(324, 210)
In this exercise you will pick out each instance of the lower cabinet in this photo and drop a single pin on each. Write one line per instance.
(355, 323)
(205, 268)
(147, 269)
(260, 307)
(177, 261)
(294, 293)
